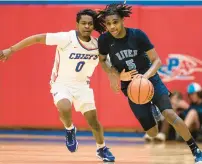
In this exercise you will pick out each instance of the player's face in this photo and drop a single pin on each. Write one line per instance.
(114, 25)
(85, 25)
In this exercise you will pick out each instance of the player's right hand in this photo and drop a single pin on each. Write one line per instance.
(127, 76)
(5, 54)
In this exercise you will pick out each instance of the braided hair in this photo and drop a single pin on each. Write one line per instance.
(98, 23)
(121, 10)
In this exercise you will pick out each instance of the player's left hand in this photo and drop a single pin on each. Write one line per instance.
(5, 54)
(127, 76)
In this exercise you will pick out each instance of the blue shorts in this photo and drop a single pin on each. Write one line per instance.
(143, 112)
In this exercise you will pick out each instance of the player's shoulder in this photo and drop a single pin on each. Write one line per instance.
(135, 31)
(71, 33)
(137, 34)
(105, 35)
(64, 33)
(104, 38)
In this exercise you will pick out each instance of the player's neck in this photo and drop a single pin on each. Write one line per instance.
(84, 38)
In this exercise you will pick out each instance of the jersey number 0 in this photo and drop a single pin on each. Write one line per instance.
(79, 66)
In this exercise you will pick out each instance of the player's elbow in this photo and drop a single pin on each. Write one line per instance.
(39, 38)
(159, 62)
(101, 62)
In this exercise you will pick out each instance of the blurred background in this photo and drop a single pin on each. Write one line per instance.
(175, 28)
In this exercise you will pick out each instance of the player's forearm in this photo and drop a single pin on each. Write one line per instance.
(153, 69)
(40, 38)
(105, 67)
(108, 69)
(114, 71)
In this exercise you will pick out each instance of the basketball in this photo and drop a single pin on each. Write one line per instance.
(140, 90)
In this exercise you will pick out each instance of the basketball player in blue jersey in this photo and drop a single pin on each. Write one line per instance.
(75, 61)
(130, 49)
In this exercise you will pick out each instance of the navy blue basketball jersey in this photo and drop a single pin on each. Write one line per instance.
(127, 53)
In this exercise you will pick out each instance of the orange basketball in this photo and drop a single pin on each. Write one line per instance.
(140, 90)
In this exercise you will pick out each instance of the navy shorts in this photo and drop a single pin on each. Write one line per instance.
(143, 112)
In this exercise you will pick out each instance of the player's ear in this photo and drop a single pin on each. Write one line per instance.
(77, 26)
(122, 19)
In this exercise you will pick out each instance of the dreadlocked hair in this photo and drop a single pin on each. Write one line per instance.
(121, 10)
(98, 24)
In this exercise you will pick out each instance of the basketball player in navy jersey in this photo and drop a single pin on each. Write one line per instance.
(130, 49)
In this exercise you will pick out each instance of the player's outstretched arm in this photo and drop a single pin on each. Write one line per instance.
(156, 63)
(39, 38)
